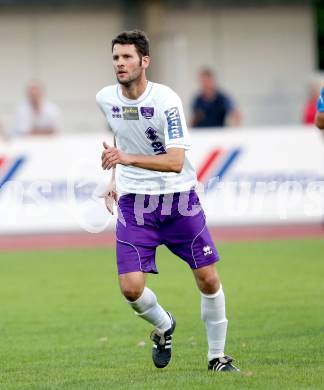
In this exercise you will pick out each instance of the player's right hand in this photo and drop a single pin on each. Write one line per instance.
(110, 196)
(112, 156)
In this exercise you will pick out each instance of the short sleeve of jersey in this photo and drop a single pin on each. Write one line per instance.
(174, 122)
(101, 104)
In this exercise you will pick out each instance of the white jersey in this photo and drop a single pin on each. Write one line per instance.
(148, 126)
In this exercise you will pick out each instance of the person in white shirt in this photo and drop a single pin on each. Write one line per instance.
(36, 115)
(157, 202)
(151, 134)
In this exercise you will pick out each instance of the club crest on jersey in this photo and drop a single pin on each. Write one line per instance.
(116, 112)
(147, 112)
(174, 123)
(130, 113)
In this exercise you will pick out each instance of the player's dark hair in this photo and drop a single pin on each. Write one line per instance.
(137, 38)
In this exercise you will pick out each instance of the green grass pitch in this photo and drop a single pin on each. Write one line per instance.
(65, 326)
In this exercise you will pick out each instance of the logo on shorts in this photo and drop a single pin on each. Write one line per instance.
(130, 113)
(147, 112)
(207, 250)
(116, 112)
(174, 123)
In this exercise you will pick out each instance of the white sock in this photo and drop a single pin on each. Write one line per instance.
(213, 314)
(147, 307)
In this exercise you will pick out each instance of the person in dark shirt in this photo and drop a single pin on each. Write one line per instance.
(213, 108)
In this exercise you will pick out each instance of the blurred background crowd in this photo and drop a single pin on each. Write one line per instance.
(234, 63)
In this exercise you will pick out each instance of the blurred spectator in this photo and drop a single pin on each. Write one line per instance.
(319, 119)
(212, 107)
(36, 115)
(310, 107)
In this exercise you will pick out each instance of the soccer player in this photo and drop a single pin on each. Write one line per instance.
(319, 119)
(157, 203)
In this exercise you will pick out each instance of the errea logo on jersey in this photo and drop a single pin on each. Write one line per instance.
(174, 123)
(116, 112)
(157, 145)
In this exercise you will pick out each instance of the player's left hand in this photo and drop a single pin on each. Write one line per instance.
(112, 156)
(110, 196)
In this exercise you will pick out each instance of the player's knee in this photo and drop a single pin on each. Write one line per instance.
(132, 285)
(132, 293)
(209, 283)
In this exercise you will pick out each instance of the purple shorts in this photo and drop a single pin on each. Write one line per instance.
(175, 220)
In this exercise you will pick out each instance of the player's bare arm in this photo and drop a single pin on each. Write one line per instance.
(110, 194)
(171, 161)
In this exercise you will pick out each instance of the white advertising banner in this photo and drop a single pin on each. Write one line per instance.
(51, 184)
(259, 176)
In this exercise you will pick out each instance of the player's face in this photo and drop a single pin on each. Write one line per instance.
(127, 63)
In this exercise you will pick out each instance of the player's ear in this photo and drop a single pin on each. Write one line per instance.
(146, 61)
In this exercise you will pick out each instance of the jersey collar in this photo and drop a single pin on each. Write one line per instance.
(144, 95)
